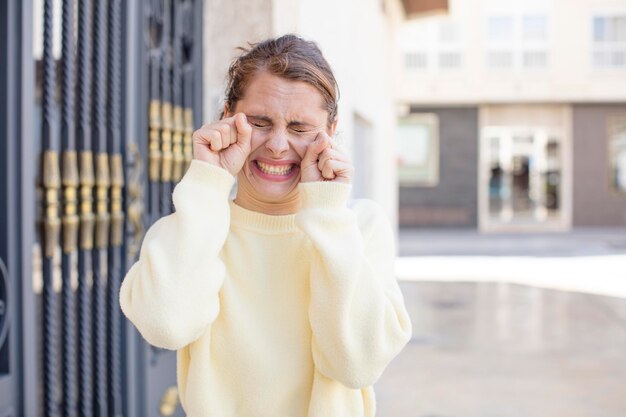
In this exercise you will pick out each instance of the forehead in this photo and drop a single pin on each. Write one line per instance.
(275, 96)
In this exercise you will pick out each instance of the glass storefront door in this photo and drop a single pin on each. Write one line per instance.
(522, 178)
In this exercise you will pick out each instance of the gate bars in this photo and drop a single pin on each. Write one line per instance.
(83, 180)
(170, 124)
(91, 289)
(87, 219)
(70, 219)
(100, 258)
(117, 214)
(51, 183)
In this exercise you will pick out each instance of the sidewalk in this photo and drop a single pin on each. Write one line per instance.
(465, 242)
(505, 350)
(485, 346)
(586, 260)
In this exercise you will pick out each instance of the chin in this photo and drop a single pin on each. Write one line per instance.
(276, 193)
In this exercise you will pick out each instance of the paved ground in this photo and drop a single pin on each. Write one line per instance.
(507, 350)
(464, 242)
(530, 325)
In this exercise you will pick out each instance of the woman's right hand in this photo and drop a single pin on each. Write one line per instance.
(224, 143)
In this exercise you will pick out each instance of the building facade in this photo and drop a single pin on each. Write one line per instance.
(512, 116)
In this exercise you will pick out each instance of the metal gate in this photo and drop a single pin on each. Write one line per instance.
(98, 102)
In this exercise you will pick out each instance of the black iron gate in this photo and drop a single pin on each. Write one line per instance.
(98, 102)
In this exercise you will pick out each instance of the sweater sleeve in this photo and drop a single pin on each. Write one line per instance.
(171, 293)
(357, 313)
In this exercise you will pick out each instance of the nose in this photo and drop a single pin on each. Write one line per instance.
(277, 144)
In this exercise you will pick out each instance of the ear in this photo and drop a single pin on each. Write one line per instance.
(226, 112)
(333, 127)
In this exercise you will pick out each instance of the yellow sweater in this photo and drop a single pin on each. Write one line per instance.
(272, 316)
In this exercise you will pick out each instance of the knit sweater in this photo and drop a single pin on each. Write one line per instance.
(271, 316)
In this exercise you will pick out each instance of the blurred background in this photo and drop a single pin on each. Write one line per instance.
(493, 132)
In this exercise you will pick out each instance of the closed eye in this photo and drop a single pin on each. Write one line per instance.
(300, 127)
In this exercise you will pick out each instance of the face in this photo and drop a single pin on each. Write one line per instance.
(285, 116)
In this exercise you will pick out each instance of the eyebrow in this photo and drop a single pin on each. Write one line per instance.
(259, 117)
(269, 120)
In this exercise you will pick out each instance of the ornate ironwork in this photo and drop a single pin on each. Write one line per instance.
(187, 38)
(166, 110)
(82, 207)
(136, 208)
(51, 179)
(117, 214)
(87, 218)
(70, 218)
(100, 255)
(177, 87)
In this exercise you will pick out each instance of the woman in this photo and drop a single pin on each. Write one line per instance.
(281, 303)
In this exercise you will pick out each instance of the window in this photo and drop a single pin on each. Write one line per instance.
(609, 28)
(517, 42)
(500, 29)
(448, 32)
(449, 47)
(534, 59)
(497, 59)
(415, 60)
(609, 42)
(418, 150)
(617, 152)
(534, 28)
(432, 45)
(449, 60)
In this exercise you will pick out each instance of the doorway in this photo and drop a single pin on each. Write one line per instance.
(523, 179)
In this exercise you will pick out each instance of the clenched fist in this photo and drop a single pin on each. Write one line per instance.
(225, 143)
(325, 161)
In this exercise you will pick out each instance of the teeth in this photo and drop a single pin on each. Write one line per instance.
(274, 169)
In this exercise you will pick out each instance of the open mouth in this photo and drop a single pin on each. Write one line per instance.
(275, 172)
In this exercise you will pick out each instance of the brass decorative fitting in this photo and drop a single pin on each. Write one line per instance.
(51, 184)
(166, 143)
(117, 214)
(177, 147)
(86, 200)
(70, 218)
(154, 147)
(188, 144)
(102, 191)
(169, 402)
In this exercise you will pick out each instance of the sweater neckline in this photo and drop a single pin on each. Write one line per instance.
(262, 222)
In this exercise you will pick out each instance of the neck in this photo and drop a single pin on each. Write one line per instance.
(248, 199)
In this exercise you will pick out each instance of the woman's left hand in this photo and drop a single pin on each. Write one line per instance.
(325, 161)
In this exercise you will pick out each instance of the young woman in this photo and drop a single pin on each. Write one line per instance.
(281, 303)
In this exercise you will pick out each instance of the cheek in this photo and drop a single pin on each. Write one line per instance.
(301, 147)
(301, 144)
(257, 139)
